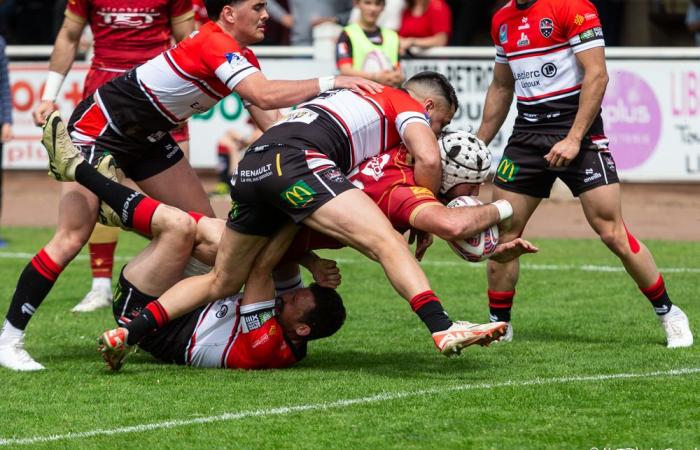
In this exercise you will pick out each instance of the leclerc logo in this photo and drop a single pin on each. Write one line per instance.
(549, 70)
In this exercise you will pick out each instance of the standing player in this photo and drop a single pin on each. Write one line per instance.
(131, 117)
(551, 53)
(125, 36)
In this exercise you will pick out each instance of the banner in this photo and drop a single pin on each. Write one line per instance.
(651, 111)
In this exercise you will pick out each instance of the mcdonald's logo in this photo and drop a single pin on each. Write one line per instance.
(298, 195)
(507, 170)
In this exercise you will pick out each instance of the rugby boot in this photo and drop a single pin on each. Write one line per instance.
(106, 215)
(675, 324)
(64, 157)
(96, 299)
(463, 334)
(15, 357)
(112, 345)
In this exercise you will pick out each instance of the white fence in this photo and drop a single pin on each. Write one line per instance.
(651, 109)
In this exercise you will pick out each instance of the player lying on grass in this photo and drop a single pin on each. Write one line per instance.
(237, 332)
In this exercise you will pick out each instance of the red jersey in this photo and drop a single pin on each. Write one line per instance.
(437, 18)
(128, 33)
(200, 11)
(388, 180)
(240, 337)
(539, 41)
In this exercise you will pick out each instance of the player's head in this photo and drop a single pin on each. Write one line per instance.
(437, 95)
(465, 163)
(243, 19)
(311, 313)
(369, 10)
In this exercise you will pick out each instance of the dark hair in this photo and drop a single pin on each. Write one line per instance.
(436, 82)
(327, 316)
(214, 7)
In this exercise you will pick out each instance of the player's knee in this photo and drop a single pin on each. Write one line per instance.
(223, 284)
(180, 226)
(615, 239)
(66, 244)
(387, 243)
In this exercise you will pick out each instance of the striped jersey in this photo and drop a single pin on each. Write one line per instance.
(539, 41)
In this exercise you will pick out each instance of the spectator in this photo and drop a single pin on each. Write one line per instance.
(425, 24)
(366, 50)
(389, 18)
(692, 19)
(306, 14)
(5, 113)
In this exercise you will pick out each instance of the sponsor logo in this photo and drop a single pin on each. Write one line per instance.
(579, 19)
(252, 175)
(125, 208)
(507, 170)
(155, 137)
(333, 175)
(587, 35)
(608, 161)
(130, 19)
(421, 192)
(598, 31)
(298, 195)
(525, 25)
(590, 16)
(503, 33)
(589, 171)
(524, 41)
(172, 150)
(222, 311)
(547, 27)
(233, 213)
(28, 309)
(273, 331)
(302, 115)
(549, 70)
(252, 322)
(593, 177)
(234, 58)
(529, 78)
(375, 167)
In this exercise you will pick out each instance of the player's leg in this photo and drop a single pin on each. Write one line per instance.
(77, 213)
(102, 246)
(603, 211)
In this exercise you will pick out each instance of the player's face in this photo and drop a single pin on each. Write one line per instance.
(440, 113)
(468, 189)
(251, 17)
(370, 10)
(294, 306)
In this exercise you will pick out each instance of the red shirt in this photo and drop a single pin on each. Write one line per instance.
(437, 18)
(200, 11)
(129, 33)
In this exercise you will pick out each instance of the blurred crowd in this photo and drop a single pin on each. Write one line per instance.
(425, 23)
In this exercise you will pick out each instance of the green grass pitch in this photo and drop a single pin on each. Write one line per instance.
(587, 369)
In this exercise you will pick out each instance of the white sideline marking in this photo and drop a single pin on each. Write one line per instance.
(456, 262)
(336, 404)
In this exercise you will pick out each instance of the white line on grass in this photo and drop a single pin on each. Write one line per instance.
(455, 262)
(337, 404)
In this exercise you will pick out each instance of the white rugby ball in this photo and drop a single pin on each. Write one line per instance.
(476, 248)
(376, 61)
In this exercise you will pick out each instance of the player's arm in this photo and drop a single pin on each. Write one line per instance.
(454, 223)
(264, 119)
(497, 104)
(423, 147)
(62, 57)
(595, 80)
(324, 271)
(182, 28)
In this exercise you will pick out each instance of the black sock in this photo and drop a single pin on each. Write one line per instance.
(434, 316)
(140, 326)
(119, 197)
(34, 284)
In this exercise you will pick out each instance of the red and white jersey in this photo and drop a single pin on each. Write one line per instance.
(232, 336)
(348, 127)
(128, 33)
(539, 41)
(196, 74)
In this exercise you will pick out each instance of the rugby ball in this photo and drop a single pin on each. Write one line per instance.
(376, 61)
(479, 247)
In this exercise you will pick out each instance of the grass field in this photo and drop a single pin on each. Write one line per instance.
(587, 369)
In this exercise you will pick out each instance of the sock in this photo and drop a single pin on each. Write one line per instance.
(500, 304)
(282, 286)
(102, 259)
(657, 295)
(9, 332)
(430, 310)
(196, 216)
(152, 317)
(135, 209)
(33, 286)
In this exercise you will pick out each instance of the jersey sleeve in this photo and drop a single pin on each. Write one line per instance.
(581, 25)
(181, 10)
(343, 50)
(499, 34)
(78, 10)
(404, 202)
(226, 59)
(407, 111)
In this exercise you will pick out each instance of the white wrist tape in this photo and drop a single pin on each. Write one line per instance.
(326, 84)
(505, 209)
(53, 84)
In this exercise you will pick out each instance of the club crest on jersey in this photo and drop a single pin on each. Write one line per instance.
(524, 41)
(503, 33)
(547, 27)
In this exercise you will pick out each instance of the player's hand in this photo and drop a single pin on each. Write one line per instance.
(42, 111)
(325, 272)
(6, 134)
(563, 152)
(509, 251)
(358, 84)
(423, 241)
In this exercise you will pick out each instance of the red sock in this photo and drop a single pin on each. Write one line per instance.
(195, 215)
(658, 296)
(43, 263)
(500, 304)
(429, 308)
(159, 313)
(143, 214)
(102, 259)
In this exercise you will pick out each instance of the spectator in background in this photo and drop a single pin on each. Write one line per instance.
(389, 18)
(692, 19)
(366, 50)
(425, 24)
(306, 14)
(5, 113)
(230, 150)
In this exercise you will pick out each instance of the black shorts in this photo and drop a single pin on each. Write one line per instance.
(139, 156)
(275, 182)
(524, 170)
(169, 344)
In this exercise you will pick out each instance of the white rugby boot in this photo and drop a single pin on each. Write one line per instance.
(675, 324)
(14, 356)
(64, 157)
(96, 299)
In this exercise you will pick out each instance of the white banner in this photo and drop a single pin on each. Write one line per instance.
(651, 112)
